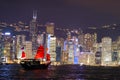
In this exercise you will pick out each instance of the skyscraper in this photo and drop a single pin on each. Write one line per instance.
(69, 49)
(106, 50)
(7, 46)
(51, 45)
(33, 31)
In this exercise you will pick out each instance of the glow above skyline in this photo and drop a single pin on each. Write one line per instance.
(66, 13)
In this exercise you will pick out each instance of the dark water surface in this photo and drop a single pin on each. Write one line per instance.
(64, 72)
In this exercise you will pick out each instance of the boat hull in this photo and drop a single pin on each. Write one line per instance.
(34, 64)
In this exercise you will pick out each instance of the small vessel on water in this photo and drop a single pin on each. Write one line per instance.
(39, 62)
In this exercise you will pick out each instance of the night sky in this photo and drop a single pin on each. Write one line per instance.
(64, 13)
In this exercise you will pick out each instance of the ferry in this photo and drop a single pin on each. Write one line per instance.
(39, 62)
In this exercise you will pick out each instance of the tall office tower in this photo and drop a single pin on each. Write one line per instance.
(51, 41)
(76, 50)
(33, 32)
(106, 51)
(70, 52)
(51, 45)
(58, 51)
(28, 49)
(50, 28)
(20, 42)
(7, 46)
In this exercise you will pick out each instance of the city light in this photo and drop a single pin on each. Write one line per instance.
(76, 45)
(7, 33)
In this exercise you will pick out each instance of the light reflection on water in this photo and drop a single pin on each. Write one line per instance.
(69, 72)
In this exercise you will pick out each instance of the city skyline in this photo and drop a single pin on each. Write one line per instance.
(75, 46)
(64, 13)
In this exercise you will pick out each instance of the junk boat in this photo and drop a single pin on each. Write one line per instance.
(39, 62)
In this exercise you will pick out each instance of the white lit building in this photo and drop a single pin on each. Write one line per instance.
(51, 45)
(106, 51)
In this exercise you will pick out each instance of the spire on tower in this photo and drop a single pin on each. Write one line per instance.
(35, 14)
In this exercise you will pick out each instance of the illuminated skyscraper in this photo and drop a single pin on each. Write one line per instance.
(51, 41)
(33, 31)
(70, 49)
(7, 46)
(106, 50)
(51, 45)
(76, 50)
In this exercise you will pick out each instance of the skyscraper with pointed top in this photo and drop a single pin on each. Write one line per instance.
(33, 31)
(35, 15)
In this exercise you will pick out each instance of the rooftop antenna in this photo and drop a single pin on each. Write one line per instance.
(35, 14)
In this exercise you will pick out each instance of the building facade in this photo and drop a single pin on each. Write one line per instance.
(106, 51)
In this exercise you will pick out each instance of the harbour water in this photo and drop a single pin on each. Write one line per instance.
(64, 72)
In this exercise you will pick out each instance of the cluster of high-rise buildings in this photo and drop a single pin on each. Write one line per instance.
(76, 47)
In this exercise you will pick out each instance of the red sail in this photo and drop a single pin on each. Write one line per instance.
(48, 57)
(23, 55)
(40, 53)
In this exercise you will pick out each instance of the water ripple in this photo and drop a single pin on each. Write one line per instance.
(64, 72)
